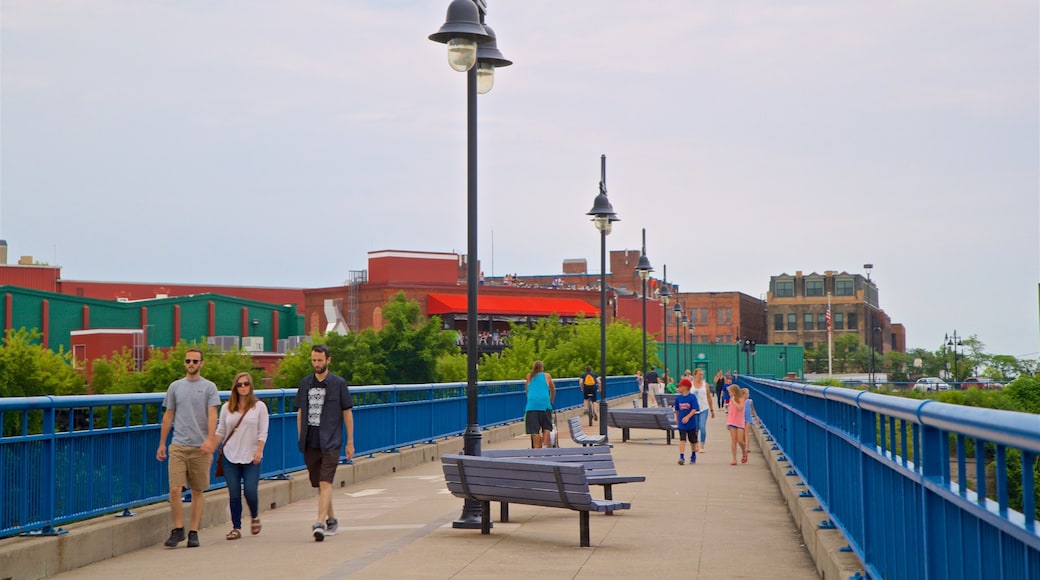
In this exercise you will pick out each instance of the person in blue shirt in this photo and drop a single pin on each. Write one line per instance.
(686, 408)
(541, 391)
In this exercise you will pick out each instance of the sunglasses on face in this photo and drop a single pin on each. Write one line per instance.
(191, 361)
(244, 384)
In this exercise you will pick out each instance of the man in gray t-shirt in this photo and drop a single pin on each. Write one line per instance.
(191, 410)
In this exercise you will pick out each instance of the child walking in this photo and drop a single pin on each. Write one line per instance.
(686, 408)
(749, 417)
(735, 424)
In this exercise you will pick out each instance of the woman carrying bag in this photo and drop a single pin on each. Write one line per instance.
(243, 429)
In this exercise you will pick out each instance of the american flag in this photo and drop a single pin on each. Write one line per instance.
(828, 319)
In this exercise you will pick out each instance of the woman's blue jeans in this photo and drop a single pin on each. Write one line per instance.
(702, 424)
(239, 477)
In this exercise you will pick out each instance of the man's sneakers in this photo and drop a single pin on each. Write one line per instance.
(693, 458)
(331, 526)
(193, 539)
(682, 459)
(176, 537)
(319, 532)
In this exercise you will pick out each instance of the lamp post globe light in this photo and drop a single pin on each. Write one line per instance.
(644, 269)
(665, 294)
(603, 216)
(471, 49)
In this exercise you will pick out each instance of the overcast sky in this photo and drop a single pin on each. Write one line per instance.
(276, 143)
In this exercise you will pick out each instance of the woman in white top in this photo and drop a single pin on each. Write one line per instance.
(706, 402)
(243, 429)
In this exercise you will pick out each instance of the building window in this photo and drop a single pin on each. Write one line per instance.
(808, 345)
(809, 321)
(853, 322)
(792, 322)
(821, 320)
(839, 321)
(814, 287)
(718, 315)
(729, 315)
(704, 316)
(784, 288)
(778, 322)
(844, 287)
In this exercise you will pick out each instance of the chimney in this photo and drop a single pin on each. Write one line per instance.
(3, 252)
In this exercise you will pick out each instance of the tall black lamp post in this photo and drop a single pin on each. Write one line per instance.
(644, 269)
(471, 49)
(870, 320)
(686, 338)
(665, 294)
(955, 342)
(677, 312)
(603, 216)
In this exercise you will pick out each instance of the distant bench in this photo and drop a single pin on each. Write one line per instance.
(665, 400)
(542, 483)
(579, 436)
(598, 462)
(626, 419)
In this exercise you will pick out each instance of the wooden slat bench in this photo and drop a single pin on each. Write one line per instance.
(542, 483)
(598, 462)
(579, 436)
(665, 400)
(656, 418)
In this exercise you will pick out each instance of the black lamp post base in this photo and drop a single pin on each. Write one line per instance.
(471, 509)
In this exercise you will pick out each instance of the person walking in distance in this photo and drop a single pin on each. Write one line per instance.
(191, 410)
(686, 408)
(325, 408)
(720, 385)
(735, 424)
(650, 382)
(541, 392)
(243, 430)
(706, 403)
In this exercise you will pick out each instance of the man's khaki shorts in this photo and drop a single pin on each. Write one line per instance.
(189, 465)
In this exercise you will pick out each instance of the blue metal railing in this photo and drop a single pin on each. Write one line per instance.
(64, 459)
(921, 489)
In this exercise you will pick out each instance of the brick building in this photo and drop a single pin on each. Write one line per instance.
(796, 308)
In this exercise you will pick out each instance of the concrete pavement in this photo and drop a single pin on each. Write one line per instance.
(709, 520)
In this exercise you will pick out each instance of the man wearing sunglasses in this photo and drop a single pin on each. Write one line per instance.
(191, 409)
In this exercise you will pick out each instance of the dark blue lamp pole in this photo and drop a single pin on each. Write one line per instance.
(471, 49)
(603, 216)
(665, 294)
(678, 345)
(644, 269)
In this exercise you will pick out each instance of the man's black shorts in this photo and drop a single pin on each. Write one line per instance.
(321, 465)
(538, 421)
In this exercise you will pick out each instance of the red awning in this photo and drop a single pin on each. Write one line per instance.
(510, 305)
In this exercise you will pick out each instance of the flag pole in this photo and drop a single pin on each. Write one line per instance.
(830, 369)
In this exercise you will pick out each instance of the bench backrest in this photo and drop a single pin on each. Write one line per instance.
(641, 418)
(544, 483)
(597, 460)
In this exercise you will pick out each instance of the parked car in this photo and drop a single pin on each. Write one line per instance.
(931, 384)
(981, 383)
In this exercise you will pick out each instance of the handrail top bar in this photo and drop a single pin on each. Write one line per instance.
(1010, 428)
(906, 409)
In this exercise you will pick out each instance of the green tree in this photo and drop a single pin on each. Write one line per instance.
(119, 373)
(28, 369)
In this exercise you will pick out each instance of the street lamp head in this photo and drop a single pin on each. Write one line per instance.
(462, 32)
(488, 59)
(664, 293)
(643, 267)
(603, 213)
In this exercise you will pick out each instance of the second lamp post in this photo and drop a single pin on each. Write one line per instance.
(603, 216)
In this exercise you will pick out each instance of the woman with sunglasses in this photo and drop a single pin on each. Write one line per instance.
(243, 429)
